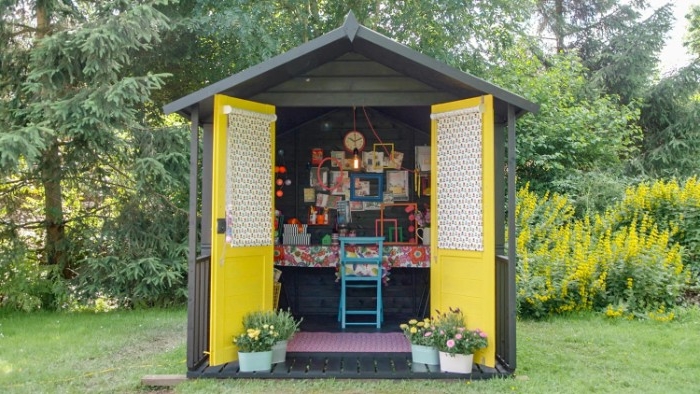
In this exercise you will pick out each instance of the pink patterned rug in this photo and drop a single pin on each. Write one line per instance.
(348, 342)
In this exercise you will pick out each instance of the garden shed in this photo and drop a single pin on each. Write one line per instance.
(439, 138)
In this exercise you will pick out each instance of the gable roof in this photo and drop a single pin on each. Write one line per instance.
(436, 81)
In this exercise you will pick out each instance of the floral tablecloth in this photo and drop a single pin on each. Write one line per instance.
(416, 256)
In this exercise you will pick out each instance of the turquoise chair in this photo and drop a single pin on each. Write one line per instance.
(353, 278)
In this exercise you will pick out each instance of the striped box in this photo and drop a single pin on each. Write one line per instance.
(296, 239)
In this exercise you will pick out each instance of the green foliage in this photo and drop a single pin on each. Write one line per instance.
(282, 321)
(674, 207)
(419, 332)
(598, 263)
(256, 338)
(467, 34)
(670, 119)
(577, 130)
(453, 337)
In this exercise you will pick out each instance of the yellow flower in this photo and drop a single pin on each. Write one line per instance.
(412, 321)
(403, 326)
(413, 330)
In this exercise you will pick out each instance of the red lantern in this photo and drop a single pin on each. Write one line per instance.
(277, 169)
(279, 182)
(279, 193)
(283, 169)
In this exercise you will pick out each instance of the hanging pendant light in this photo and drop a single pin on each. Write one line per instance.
(355, 159)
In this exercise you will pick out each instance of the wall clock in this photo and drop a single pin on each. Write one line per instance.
(354, 140)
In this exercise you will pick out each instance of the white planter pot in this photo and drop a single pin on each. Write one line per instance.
(456, 363)
(279, 352)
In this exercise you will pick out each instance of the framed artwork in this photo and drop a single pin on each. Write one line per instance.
(339, 189)
(357, 206)
(309, 194)
(372, 205)
(366, 187)
(338, 155)
(396, 161)
(316, 156)
(333, 201)
(386, 151)
(373, 161)
(344, 216)
(321, 200)
(423, 158)
(313, 178)
(397, 185)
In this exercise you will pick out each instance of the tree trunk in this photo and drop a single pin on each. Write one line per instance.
(51, 177)
(559, 24)
(56, 242)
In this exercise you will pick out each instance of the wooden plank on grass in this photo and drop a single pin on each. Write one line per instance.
(162, 380)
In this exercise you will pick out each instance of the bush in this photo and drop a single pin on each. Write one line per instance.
(599, 263)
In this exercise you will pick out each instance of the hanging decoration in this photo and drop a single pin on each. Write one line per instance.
(281, 175)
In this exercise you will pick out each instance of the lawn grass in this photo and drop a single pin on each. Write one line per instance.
(88, 352)
(111, 352)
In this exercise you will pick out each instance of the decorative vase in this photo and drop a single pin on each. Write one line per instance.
(457, 363)
(255, 361)
(424, 354)
(279, 352)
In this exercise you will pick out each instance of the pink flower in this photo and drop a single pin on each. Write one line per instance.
(428, 333)
(450, 343)
(461, 329)
(458, 336)
(482, 334)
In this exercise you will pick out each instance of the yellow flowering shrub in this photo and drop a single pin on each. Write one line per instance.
(624, 266)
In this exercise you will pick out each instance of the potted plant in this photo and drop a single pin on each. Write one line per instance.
(421, 336)
(255, 348)
(456, 344)
(284, 324)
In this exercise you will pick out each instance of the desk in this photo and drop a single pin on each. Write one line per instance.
(411, 256)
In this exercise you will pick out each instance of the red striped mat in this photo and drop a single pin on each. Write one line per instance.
(349, 342)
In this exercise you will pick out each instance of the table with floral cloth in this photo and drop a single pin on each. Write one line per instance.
(315, 256)
(412, 256)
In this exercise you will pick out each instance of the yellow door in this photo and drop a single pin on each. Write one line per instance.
(462, 269)
(243, 176)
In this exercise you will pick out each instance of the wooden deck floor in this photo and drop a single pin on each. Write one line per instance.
(345, 366)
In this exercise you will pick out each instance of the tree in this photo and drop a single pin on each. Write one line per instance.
(618, 48)
(578, 130)
(671, 117)
(66, 105)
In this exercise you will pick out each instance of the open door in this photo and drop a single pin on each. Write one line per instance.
(242, 219)
(462, 267)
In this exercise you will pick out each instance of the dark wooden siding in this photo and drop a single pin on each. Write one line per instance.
(313, 292)
(352, 79)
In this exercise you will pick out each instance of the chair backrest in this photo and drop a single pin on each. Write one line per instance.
(361, 257)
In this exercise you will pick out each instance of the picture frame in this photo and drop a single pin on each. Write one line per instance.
(370, 187)
(309, 194)
(344, 215)
(397, 185)
(316, 156)
(423, 158)
(313, 178)
(339, 157)
(396, 160)
(386, 152)
(373, 161)
(356, 206)
(335, 177)
(371, 205)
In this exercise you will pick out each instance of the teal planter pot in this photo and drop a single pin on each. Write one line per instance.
(255, 361)
(425, 355)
